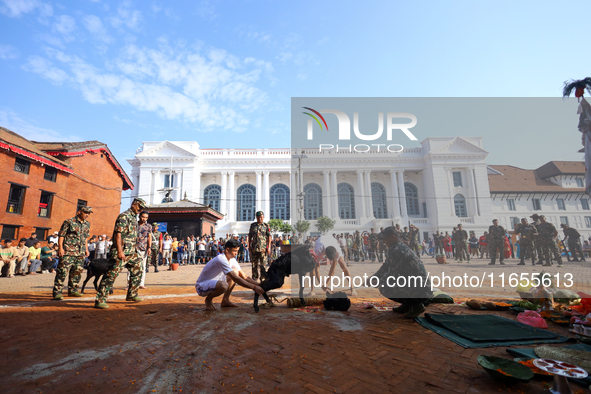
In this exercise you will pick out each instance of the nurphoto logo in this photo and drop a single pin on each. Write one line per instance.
(344, 131)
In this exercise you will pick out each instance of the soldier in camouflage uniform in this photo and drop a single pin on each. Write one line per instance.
(72, 250)
(405, 236)
(123, 254)
(460, 237)
(527, 233)
(537, 244)
(156, 247)
(547, 239)
(574, 242)
(373, 245)
(259, 244)
(358, 246)
(382, 249)
(496, 242)
(414, 239)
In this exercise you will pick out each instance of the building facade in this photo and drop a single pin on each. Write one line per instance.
(556, 189)
(435, 186)
(44, 183)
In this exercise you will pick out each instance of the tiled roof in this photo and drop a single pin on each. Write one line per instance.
(67, 146)
(554, 168)
(515, 179)
(11, 138)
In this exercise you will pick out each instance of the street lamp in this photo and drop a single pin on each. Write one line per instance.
(300, 185)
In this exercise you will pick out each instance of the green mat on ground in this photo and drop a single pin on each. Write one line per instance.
(474, 331)
(488, 328)
(529, 353)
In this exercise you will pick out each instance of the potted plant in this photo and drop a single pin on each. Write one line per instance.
(440, 258)
(174, 266)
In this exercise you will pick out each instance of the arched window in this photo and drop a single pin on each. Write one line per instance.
(279, 194)
(460, 205)
(378, 199)
(212, 195)
(346, 201)
(246, 203)
(312, 201)
(412, 199)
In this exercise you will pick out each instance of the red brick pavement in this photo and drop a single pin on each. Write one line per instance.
(172, 345)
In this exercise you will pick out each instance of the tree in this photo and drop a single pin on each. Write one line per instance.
(286, 228)
(300, 228)
(276, 226)
(325, 224)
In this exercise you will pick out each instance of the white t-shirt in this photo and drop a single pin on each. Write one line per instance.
(100, 246)
(166, 244)
(217, 269)
(201, 245)
(342, 242)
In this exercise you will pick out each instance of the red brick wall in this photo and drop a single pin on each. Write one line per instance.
(68, 189)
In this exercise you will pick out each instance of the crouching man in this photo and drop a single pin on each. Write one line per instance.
(220, 275)
(402, 278)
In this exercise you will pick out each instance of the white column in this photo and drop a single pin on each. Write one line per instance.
(452, 210)
(470, 201)
(402, 194)
(361, 194)
(326, 203)
(335, 196)
(472, 176)
(182, 184)
(223, 197)
(231, 197)
(265, 194)
(368, 202)
(395, 195)
(293, 201)
(153, 188)
(258, 185)
(196, 194)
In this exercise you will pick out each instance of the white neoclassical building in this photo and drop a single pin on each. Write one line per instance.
(435, 186)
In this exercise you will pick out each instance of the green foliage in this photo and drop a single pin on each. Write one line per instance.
(286, 228)
(276, 225)
(302, 227)
(325, 224)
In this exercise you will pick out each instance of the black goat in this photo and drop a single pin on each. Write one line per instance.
(96, 268)
(299, 261)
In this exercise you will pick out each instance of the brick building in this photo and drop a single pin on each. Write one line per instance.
(185, 217)
(45, 182)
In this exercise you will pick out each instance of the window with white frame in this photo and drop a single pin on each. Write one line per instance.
(536, 203)
(457, 176)
(585, 204)
(588, 221)
(511, 204)
(580, 182)
(560, 203)
(564, 220)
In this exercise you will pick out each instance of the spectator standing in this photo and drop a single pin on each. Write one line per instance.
(201, 250)
(54, 237)
(31, 241)
(72, 249)
(101, 248)
(92, 248)
(483, 240)
(167, 250)
(473, 244)
(192, 249)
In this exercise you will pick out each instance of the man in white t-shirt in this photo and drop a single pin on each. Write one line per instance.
(221, 274)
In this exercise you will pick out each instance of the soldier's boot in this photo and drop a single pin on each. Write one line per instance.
(415, 310)
(134, 299)
(58, 297)
(101, 305)
(522, 262)
(403, 308)
(75, 294)
(547, 264)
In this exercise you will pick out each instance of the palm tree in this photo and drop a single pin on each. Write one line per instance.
(578, 86)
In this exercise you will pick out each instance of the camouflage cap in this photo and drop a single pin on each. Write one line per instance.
(140, 201)
(154, 224)
(535, 216)
(563, 225)
(542, 216)
(259, 213)
(86, 209)
(388, 231)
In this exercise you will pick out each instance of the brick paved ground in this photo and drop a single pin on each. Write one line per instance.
(170, 344)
